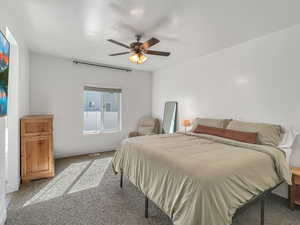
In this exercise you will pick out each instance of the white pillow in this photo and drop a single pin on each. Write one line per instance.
(289, 136)
(288, 139)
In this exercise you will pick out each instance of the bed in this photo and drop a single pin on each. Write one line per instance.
(200, 179)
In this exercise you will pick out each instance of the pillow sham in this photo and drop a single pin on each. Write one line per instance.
(219, 123)
(248, 137)
(268, 134)
(288, 138)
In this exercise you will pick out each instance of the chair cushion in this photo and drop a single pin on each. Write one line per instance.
(147, 126)
(146, 130)
(147, 122)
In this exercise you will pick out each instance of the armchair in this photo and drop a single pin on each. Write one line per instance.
(146, 126)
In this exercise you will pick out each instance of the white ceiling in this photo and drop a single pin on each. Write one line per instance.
(79, 28)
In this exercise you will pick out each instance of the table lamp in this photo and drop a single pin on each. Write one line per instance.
(186, 123)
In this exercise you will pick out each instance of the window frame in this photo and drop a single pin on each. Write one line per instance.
(101, 130)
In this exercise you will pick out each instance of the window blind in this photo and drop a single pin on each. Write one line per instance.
(111, 90)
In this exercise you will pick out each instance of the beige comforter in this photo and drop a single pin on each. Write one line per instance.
(200, 180)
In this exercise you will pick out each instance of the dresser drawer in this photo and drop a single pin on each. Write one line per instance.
(296, 180)
(36, 126)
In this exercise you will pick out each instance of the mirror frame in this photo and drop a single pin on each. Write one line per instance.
(175, 118)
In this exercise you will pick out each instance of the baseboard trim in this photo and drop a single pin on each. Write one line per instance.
(70, 154)
(12, 187)
(3, 215)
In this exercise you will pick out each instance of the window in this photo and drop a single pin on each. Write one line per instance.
(102, 109)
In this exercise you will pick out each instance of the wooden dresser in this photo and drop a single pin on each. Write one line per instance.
(294, 189)
(36, 147)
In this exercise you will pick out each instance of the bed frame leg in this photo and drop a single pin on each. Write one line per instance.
(262, 211)
(121, 180)
(146, 207)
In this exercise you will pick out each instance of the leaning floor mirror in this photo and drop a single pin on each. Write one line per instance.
(170, 118)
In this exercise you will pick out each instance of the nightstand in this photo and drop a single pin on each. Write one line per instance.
(294, 189)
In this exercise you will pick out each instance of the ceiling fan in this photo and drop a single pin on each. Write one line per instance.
(139, 49)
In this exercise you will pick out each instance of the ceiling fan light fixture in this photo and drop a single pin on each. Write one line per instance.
(137, 49)
(138, 58)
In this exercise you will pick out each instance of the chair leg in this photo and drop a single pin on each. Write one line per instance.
(262, 211)
(121, 180)
(146, 207)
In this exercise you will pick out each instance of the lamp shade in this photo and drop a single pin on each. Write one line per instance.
(186, 123)
(138, 58)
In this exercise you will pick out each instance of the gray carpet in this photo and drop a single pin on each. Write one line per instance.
(86, 192)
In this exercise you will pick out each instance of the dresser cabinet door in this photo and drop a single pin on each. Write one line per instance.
(37, 158)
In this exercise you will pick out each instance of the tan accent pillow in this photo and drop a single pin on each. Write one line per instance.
(242, 136)
(268, 134)
(219, 123)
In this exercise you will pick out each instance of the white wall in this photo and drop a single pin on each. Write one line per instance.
(57, 88)
(18, 106)
(2, 172)
(254, 81)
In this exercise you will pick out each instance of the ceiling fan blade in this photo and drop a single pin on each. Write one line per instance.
(120, 53)
(118, 43)
(149, 43)
(151, 52)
